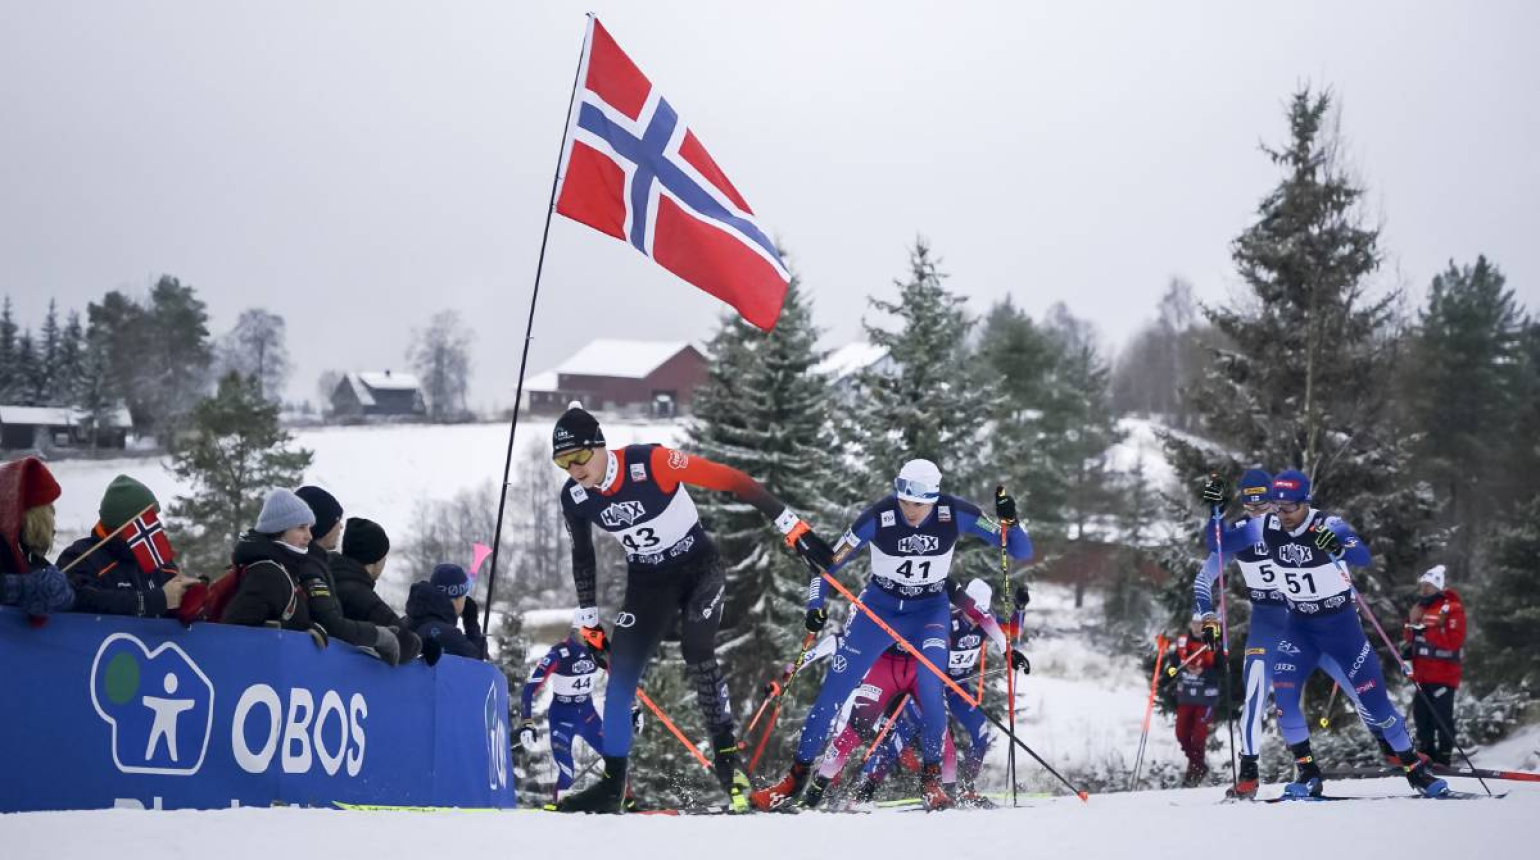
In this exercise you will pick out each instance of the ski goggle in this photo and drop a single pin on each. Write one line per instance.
(1288, 507)
(567, 459)
(923, 492)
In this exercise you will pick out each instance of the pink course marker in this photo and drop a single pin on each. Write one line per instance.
(479, 553)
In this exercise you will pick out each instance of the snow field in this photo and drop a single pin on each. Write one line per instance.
(1143, 825)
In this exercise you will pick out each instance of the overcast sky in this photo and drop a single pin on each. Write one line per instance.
(356, 166)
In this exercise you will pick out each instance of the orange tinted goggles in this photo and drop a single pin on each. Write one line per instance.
(568, 459)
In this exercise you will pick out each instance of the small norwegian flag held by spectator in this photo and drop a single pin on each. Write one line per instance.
(633, 169)
(147, 538)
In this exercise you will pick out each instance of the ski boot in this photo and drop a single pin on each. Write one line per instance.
(608, 795)
(775, 796)
(1246, 781)
(1196, 771)
(1389, 754)
(932, 792)
(1307, 774)
(729, 771)
(865, 791)
(814, 794)
(1419, 772)
(973, 800)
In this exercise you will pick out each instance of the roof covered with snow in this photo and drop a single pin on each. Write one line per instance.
(62, 416)
(389, 381)
(542, 382)
(629, 359)
(850, 358)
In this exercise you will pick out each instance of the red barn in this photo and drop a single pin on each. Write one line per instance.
(638, 377)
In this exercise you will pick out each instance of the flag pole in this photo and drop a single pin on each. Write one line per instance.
(529, 327)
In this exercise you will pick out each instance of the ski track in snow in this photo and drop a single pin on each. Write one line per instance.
(1143, 825)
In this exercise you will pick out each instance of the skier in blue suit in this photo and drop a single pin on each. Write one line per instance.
(1269, 615)
(1306, 547)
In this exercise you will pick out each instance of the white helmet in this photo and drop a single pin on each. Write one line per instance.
(981, 593)
(919, 481)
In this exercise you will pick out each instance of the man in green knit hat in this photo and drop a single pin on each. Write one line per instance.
(109, 577)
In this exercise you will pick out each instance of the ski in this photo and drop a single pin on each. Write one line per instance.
(1439, 769)
(1452, 795)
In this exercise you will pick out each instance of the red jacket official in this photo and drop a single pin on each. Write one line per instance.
(1436, 641)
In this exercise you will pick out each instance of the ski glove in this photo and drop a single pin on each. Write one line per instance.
(1020, 662)
(470, 618)
(598, 643)
(410, 644)
(1211, 630)
(637, 720)
(811, 547)
(1214, 491)
(1328, 541)
(816, 619)
(527, 735)
(432, 650)
(1023, 596)
(1005, 507)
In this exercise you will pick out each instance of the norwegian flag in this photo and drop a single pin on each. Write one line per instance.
(145, 536)
(634, 170)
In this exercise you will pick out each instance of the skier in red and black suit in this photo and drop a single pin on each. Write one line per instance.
(638, 495)
(1435, 636)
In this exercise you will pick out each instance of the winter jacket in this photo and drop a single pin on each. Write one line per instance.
(1198, 684)
(1437, 646)
(269, 590)
(431, 615)
(355, 591)
(109, 581)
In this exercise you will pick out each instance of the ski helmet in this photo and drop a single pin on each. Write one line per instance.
(1256, 487)
(575, 430)
(981, 593)
(919, 481)
(1291, 486)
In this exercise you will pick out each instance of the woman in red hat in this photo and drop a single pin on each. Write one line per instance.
(27, 494)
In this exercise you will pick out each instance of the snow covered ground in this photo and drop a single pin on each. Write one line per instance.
(380, 472)
(1143, 825)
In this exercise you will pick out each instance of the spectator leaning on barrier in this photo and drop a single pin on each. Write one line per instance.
(126, 565)
(433, 606)
(27, 580)
(1435, 637)
(356, 569)
(1197, 690)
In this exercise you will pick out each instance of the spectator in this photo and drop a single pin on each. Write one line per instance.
(357, 568)
(433, 606)
(1435, 635)
(27, 580)
(109, 576)
(1197, 689)
(327, 531)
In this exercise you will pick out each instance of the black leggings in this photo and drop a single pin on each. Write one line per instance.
(1432, 714)
(695, 587)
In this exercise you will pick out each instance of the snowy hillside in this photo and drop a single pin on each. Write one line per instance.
(378, 472)
(1143, 825)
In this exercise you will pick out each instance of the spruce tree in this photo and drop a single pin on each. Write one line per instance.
(48, 357)
(234, 455)
(1464, 375)
(1020, 357)
(27, 369)
(70, 362)
(176, 352)
(1506, 611)
(766, 411)
(8, 386)
(115, 362)
(1307, 384)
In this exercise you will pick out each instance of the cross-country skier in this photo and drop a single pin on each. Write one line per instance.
(572, 673)
(1304, 545)
(912, 535)
(638, 495)
(1269, 614)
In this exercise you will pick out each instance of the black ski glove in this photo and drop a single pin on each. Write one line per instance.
(1210, 631)
(470, 618)
(1005, 507)
(410, 643)
(1020, 663)
(813, 548)
(1328, 541)
(816, 619)
(1214, 491)
(1022, 596)
(432, 650)
(527, 735)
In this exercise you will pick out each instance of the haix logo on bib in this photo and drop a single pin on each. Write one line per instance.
(919, 543)
(1294, 554)
(622, 513)
(159, 704)
(583, 666)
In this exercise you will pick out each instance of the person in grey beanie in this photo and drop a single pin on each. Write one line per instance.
(284, 584)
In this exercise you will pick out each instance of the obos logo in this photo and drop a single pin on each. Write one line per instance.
(159, 704)
(497, 741)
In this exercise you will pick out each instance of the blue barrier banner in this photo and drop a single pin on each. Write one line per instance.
(102, 711)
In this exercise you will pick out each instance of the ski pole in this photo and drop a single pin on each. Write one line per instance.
(886, 727)
(1172, 670)
(778, 687)
(1010, 677)
(673, 729)
(764, 738)
(1406, 667)
(947, 679)
(1330, 701)
(1224, 633)
(1149, 710)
